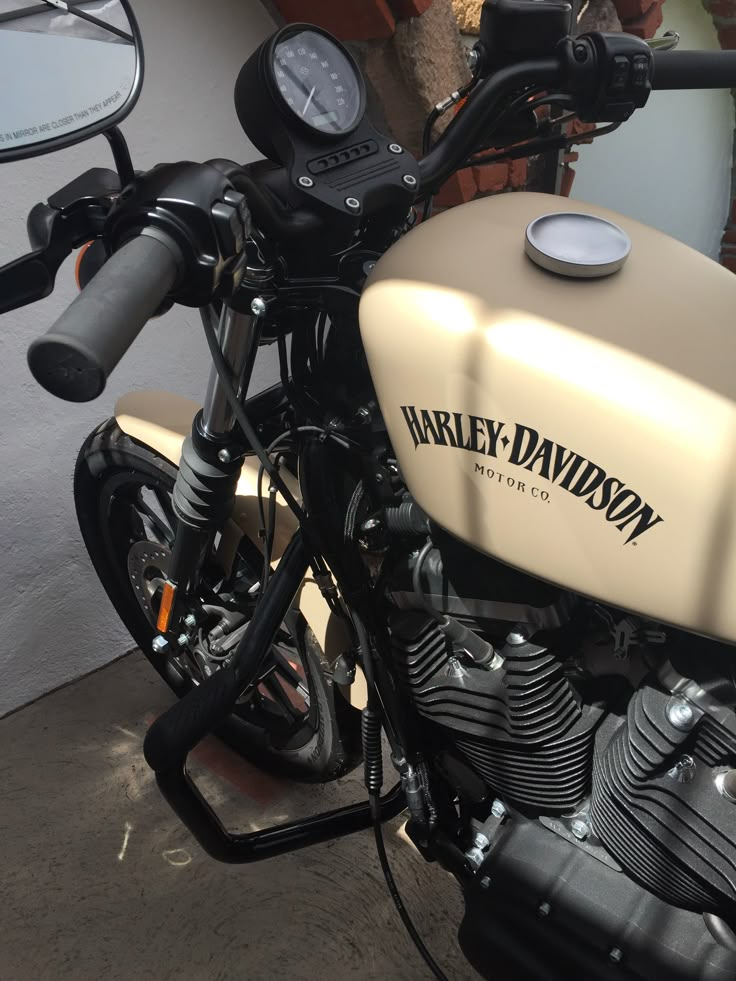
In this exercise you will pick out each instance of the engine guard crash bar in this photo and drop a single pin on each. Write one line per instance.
(175, 733)
(193, 810)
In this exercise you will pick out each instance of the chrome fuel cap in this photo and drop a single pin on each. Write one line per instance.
(577, 245)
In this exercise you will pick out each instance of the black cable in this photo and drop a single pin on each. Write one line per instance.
(270, 531)
(321, 337)
(428, 127)
(519, 100)
(351, 515)
(375, 710)
(283, 361)
(540, 146)
(396, 896)
(427, 134)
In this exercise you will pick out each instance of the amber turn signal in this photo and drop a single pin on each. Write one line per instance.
(167, 605)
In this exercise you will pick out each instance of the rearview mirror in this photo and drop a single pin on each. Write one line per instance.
(68, 71)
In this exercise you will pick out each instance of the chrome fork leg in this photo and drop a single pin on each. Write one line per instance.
(236, 334)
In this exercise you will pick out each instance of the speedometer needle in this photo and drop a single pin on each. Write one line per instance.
(309, 99)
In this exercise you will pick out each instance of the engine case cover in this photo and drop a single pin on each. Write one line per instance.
(553, 913)
(583, 431)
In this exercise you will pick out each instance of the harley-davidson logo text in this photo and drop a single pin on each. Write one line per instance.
(524, 447)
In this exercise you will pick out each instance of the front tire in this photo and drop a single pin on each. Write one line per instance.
(122, 493)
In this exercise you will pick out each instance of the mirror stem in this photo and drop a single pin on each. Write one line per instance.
(121, 155)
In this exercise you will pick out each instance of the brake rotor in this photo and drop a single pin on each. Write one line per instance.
(148, 568)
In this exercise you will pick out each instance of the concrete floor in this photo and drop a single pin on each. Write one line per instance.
(100, 881)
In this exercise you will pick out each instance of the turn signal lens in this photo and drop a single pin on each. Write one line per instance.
(78, 264)
(167, 605)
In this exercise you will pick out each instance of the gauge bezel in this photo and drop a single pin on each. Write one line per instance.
(284, 109)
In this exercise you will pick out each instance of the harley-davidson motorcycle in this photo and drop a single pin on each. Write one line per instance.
(487, 512)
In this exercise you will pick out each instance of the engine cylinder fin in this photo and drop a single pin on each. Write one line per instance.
(714, 746)
(521, 727)
(673, 837)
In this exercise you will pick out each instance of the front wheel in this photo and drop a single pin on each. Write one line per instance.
(294, 722)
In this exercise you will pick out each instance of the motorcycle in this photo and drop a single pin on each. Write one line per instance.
(459, 521)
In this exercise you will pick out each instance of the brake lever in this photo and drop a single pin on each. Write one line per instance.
(73, 215)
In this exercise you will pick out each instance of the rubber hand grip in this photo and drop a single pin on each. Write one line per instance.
(174, 734)
(74, 359)
(694, 70)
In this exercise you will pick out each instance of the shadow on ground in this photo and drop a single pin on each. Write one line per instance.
(100, 881)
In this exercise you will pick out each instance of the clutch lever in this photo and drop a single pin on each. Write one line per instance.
(74, 215)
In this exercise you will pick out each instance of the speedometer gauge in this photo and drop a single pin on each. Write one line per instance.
(300, 97)
(316, 80)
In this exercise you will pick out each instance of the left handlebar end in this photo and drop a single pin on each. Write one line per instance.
(75, 358)
(66, 369)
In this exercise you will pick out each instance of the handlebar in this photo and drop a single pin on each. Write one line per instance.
(468, 127)
(694, 70)
(670, 70)
(75, 358)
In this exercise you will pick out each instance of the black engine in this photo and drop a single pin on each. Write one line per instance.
(519, 725)
(598, 770)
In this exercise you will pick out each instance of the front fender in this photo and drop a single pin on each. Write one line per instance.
(162, 421)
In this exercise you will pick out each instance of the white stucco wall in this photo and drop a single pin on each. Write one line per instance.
(55, 620)
(670, 165)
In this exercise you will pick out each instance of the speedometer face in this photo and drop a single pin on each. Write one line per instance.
(318, 82)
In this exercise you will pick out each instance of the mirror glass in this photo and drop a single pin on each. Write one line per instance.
(68, 70)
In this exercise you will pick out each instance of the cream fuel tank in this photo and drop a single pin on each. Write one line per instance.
(582, 430)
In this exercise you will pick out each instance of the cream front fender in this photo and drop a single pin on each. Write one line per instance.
(162, 420)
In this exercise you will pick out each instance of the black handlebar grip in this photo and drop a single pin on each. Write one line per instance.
(694, 70)
(174, 734)
(74, 359)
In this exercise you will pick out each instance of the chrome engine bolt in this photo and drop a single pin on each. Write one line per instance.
(477, 853)
(680, 714)
(580, 828)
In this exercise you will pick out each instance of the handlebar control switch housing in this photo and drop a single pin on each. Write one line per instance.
(196, 207)
(609, 75)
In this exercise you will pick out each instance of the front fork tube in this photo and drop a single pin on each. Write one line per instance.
(209, 469)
